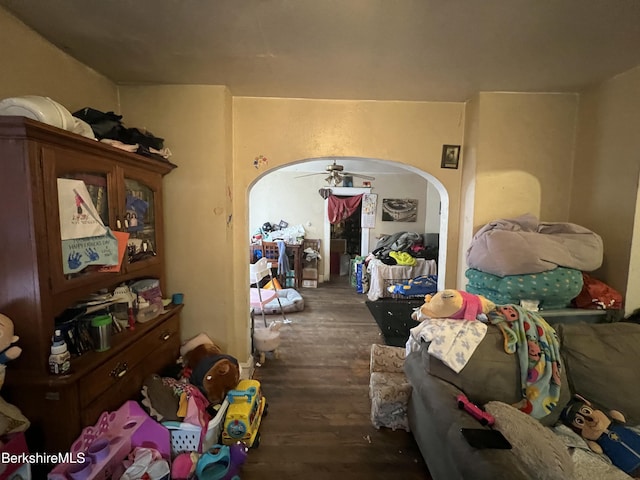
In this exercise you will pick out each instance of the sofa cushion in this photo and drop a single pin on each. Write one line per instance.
(542, 453)
(492, 374)
(602, 364)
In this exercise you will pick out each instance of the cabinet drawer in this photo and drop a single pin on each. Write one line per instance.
(115, 373)
(130, 388)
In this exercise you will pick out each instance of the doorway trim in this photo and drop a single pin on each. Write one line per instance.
(364, 235)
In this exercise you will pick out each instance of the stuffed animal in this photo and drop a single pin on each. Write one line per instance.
(213, 372)
(619, 443)
(8, 341)
(8, 348)
(454, 304)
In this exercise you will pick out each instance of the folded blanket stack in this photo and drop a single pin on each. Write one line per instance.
(551, 289)
(518, 259)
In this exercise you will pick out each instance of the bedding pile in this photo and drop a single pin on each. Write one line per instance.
(522, 259)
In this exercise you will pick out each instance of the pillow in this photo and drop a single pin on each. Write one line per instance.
(542, 453)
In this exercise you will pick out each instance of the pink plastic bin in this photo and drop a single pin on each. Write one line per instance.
(110, 440)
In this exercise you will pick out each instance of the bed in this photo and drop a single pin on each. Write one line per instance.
(290, 299)
(381, 275)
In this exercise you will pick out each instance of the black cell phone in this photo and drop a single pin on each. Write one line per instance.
(484, 438)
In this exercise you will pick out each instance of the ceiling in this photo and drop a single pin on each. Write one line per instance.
(414, 50)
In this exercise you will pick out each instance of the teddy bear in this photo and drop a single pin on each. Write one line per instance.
(8, 345)
(605, 434)
(454, 304)
(212, 371)
(8, 341)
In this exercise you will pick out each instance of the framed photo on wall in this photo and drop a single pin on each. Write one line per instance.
(450, 156)
(399, 210)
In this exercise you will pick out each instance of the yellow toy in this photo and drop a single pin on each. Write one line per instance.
(247, 406)
(454, 304)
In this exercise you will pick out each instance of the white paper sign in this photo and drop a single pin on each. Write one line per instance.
(78, 216)
(369, 205)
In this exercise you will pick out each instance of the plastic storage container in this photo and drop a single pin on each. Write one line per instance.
(42, 109)
(101, 332)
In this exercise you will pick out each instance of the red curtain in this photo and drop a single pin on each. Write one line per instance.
(342, 208)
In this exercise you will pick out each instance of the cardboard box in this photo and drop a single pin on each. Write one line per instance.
(309, 273)
(310, 283)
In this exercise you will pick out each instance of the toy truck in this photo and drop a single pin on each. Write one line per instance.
(247, 406)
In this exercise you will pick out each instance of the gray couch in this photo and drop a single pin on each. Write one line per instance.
(601, 363)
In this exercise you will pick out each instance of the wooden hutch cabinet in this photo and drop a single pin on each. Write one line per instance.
(34, 289)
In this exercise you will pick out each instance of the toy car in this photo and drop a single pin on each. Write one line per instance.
(483, 417)
(247, 406)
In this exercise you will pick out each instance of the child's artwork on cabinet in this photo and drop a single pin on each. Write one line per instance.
(78, 216)
(85, 239)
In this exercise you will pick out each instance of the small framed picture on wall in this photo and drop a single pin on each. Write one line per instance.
(450, 156)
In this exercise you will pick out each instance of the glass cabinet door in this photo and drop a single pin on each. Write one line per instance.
(99, 178)
(141, 219)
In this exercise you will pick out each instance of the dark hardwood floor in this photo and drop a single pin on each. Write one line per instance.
(318, 424)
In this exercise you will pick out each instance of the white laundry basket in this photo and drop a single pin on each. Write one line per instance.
(185, 437)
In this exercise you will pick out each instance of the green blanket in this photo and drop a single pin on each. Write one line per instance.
(536, 343)
(553, 289)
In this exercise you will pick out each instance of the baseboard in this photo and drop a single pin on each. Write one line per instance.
(248, 368)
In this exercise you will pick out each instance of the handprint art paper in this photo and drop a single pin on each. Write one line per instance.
(78, 216)
(79, 253)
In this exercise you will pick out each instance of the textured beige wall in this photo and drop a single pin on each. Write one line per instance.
(605, 188)
(195, 123)
(287, 130)
(468, 189)
(32, 66)
(524, 153)
(519, 159)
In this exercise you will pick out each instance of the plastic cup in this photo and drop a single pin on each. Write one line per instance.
(177, 298)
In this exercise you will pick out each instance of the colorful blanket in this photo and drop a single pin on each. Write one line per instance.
(536, 343)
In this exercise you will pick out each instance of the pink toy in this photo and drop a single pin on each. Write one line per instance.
(98, 452)
(483, 417)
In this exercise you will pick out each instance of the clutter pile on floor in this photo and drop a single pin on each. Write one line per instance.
(197, 420)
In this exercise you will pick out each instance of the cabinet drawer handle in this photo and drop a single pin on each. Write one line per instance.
(120, 370)
(165, 336)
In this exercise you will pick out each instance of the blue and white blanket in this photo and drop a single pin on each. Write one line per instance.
(452, 341)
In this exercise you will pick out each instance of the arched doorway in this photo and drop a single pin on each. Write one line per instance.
(293, 190)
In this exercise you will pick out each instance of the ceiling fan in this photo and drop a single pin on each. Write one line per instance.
(337, 174)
